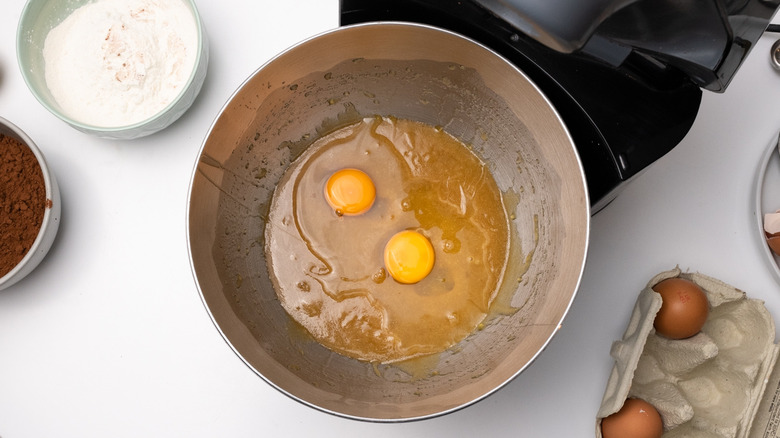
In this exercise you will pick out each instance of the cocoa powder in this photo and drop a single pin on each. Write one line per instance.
(22, 201)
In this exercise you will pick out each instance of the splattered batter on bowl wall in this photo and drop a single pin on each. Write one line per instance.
(387, 240)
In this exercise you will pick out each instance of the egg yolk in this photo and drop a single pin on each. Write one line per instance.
(350, 192)
(408, 257)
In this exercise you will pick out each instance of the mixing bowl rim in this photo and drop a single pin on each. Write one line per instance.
(494, 389)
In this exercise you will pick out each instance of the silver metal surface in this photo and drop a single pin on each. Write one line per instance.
(407, 71)
(774, 55)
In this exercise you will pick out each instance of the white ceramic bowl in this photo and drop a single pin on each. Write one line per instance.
(766, 199)
(41, 16)
(51, 215)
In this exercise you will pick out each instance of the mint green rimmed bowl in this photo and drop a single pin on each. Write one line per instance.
(41, 16)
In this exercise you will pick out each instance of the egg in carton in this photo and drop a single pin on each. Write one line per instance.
(719, 383)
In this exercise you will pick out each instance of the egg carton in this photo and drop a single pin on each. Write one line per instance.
(720, 383)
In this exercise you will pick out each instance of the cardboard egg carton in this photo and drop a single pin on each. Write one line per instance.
(720, 383)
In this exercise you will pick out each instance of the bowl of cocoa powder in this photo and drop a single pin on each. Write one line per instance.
(29, 205)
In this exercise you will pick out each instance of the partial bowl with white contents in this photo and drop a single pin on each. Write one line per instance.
(118, 69)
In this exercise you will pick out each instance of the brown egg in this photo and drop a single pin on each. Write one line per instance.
(773, 240)
(636, 419)
(684, 310)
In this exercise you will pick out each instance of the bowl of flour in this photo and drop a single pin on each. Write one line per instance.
(119, 69)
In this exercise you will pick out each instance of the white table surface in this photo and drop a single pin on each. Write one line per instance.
(109, 337)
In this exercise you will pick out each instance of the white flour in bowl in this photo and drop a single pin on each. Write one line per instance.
(114, 63)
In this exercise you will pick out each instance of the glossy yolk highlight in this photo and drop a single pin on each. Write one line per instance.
(408, 257)
(350, 192)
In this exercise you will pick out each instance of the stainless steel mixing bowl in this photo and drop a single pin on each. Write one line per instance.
(408, 71)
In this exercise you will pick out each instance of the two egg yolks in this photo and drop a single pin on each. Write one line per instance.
(408, 255)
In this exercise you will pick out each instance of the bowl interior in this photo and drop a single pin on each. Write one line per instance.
(39, 17)
(766, 199)
(413, 72)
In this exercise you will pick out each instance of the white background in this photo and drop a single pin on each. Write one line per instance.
(108, 337)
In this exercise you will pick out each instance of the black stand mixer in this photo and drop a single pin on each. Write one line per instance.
(626, 76)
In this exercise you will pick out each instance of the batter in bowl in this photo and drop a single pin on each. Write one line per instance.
(329, 261)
